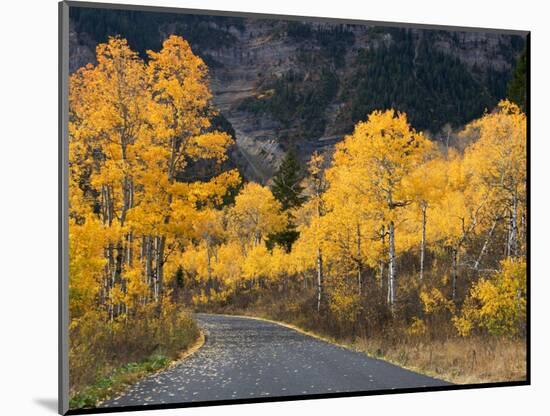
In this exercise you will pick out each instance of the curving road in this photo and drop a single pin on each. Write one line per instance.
(250, 358)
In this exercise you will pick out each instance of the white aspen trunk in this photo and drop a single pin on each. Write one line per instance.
(103, 205)
(130, 239)
(391, 266)
(154, 277)
(110, 207)
(510, 238)
(143, 261)
(160, 267)
(319, 278)
(119, 275)
(129, 260)
(512, 250)
(382, 275)
(149, 261)
(485, 246)
(382, 263)
(112, 263)
(388, 289)
(142, 252)
(125, 253)
(112, 270)
(130, 253)
(104, 289)
(423, 242)
(454, 272)
(359, 262)
(208, 266)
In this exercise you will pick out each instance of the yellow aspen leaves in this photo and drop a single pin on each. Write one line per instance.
(390, 225)
(135, 126)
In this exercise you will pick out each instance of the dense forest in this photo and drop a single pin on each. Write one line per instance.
(395, 241)
(382, 77)
(394, 77)
(142, 29)
(332, 67)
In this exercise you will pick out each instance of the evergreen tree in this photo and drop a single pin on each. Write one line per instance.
(517, 85)
(286, 183)
(288, 191)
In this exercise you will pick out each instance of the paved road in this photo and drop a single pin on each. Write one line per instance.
(250, 358)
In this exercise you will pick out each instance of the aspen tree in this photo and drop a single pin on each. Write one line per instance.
(318, 187)
(133, 128)
(498, 161)
(383, 151)
(426, 186)
(256, 214)
(178, 112)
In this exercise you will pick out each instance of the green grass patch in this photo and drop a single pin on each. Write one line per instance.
(123, 376)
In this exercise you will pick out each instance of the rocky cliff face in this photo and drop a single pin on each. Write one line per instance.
(81, 49)
(300, 84)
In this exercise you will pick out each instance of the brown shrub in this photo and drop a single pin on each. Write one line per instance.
(98, 346)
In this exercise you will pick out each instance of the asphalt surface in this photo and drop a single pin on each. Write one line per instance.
(249, 358)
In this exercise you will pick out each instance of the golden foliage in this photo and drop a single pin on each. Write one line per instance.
(132, 127)
(136, 131)
(497, 303)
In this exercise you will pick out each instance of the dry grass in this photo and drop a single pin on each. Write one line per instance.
(102, 361)
(457, 360)
(471, 360)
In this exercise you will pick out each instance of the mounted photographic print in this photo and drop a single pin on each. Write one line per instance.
(264, 208)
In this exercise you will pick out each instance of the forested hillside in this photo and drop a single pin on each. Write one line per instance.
(281, 84)
(396, 242)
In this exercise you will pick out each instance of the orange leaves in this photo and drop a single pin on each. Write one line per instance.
(209, 146)
(498, 160)
(434, 302)
(379, 154)
(134, 127)
(86, 262)
(179, 86)
(229, 263)
(257, 263)
(205, 193)
(367, 186)
(138, 123)
(141, 214)
(497, 303)
(256, 214)
(114, 52)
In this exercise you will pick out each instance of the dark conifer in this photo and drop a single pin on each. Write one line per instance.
(287, 190)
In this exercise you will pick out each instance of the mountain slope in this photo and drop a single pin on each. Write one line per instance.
(304, 84)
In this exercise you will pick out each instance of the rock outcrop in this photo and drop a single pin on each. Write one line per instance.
(262, 51)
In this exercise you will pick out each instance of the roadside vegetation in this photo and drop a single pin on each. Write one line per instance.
(404, 248)
(105, 358)
(92, 394)
(400, 246)
(129, 216)
(460, 360)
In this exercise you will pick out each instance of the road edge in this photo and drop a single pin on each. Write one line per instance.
(349, 347)
(286, 325)
(187, 353)
(184, 355)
